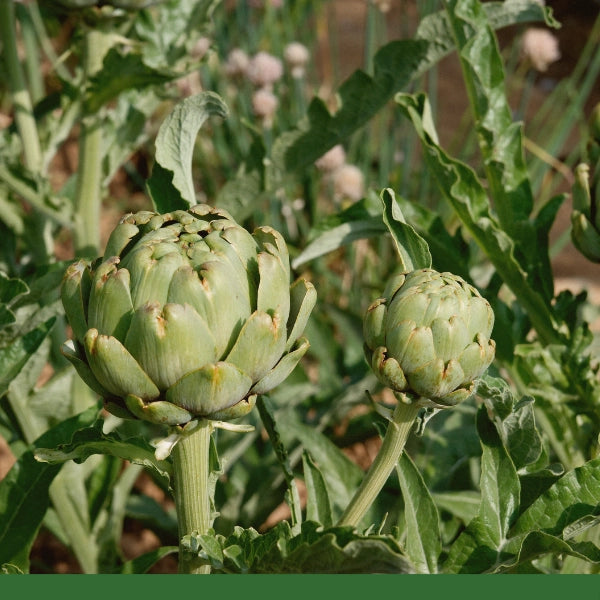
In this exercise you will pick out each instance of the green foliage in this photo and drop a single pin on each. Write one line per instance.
(506, 482)
(313, 550)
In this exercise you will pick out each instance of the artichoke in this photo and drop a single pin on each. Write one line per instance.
(429, 337)
(585, 216)
(186, 316)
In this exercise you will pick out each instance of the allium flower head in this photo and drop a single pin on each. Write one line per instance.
(348, 182)
(264, 105)
(237, 63)
(332, 159)
(264, 69)
(540, 48)
(200, 48)
(296, 56)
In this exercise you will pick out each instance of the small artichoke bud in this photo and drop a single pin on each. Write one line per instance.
(186, 316)
(429, 337)
(585, 217)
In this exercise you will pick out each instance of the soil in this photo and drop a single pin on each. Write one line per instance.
(348, 17)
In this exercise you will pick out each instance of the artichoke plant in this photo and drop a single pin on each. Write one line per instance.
(186, 316)
(429, 337)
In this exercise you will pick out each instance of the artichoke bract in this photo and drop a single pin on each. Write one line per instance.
(429, 337)
(187, 315)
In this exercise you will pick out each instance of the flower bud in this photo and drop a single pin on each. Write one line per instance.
(429, 337)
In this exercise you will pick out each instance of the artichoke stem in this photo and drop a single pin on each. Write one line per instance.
(192, 500)
(392, 446)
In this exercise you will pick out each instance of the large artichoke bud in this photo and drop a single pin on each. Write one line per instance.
(429, 337)
(186, 316)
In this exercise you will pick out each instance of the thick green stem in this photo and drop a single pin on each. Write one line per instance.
(20, 94)
(387, 458)
(192, 500)
(88, 199)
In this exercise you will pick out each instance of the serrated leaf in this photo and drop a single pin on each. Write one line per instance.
(459, 184)
(90, 441)
(514, 420)
(574, 496)
(133, 73)
(481, 547)
(313, 550)
(395, 65)
(500, 139)
(537, 544)
(175, 146)
(423, 540)
(24, 495)
(14, 356)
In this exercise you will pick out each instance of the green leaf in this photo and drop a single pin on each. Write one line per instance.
(314, 550)
(24, 493)
(481, 546)
(514, 420)
(448, 252)
(14, 356)
(338, 236)
(92, 440)
(459, 184)
(423, 540)
(267, 416)
(537, 544)
(394, 66)
(174, 150)
(133, 73)
(142, 564)
(100, 485)
(463, 504)
(11, 289)
(574, 496)
(340, 473)
(500, 139)
(152, 513)
(318, 505)
(412, 248)
(500, 487)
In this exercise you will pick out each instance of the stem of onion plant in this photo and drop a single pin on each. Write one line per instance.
(191, 469)
(399, 428)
